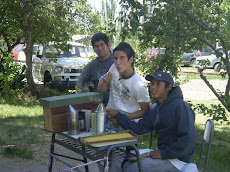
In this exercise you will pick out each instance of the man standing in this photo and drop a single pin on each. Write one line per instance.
(172, 118)
(97, 67)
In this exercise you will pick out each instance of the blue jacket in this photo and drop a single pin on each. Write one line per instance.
(174, 122)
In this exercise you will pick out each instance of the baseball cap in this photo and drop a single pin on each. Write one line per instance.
(162, 76)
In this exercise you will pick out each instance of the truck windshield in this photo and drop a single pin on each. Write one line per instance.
(76, 51)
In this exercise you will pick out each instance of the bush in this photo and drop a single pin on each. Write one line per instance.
(11, 75)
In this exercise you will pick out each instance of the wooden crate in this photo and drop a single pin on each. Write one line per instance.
(55, 111)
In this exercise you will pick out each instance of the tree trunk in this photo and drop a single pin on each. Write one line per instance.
(28, 23)
(28, 53)
(214, 91)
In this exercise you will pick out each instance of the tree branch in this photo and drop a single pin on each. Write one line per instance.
(214, 91)
(199, 23)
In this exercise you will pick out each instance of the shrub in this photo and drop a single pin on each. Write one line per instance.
(11, 75)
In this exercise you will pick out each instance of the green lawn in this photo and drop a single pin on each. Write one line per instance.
(22, 123)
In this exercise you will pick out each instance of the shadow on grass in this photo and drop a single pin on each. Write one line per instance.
(24, 97)
(22, 130)
(219, 158)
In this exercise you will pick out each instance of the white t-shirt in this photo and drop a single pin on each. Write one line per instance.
(125, 94)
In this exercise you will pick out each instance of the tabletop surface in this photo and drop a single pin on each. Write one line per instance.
(100, 146)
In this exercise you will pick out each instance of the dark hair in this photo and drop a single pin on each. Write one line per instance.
(123, 46)
(166, 84)
(100, 37)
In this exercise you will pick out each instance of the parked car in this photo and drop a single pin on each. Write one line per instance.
(152, 53)
(189, 59)
(20, 47)
(59, 68)
(16, 50)
(212, 61)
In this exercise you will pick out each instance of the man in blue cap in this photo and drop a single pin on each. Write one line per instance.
(172, 118)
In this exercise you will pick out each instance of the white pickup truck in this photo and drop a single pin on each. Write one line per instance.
(58, 68)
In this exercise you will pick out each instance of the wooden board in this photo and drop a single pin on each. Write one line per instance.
(110, 138)
(71, 99)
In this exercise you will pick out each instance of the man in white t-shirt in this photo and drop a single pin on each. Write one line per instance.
(128, 93)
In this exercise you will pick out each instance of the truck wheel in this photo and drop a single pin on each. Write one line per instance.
(47, 79)
(217, 67)
(193, 62)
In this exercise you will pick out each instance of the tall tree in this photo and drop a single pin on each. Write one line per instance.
(180, 26)
(108, 19)
(42, 21)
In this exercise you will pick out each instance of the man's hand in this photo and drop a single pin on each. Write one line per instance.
(111, 112)
(156, 154)
(103, 85)
(107, 78)
(113, 120)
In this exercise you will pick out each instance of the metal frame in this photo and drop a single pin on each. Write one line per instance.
(208, 133)
(86, 151)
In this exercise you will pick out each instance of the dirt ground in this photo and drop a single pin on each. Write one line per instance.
(40, 162)
(198, 90)
(194, 89)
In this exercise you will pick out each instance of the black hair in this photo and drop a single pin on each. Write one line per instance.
(100, 37)
(123, 46)
(166, 84)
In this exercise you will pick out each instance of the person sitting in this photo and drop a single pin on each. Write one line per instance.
(172, 118)
(128, 92)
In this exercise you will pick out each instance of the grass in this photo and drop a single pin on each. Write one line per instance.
(21, 122)
(21, 125)
(191, 73)
(219, 159)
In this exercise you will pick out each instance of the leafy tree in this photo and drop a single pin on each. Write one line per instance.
(179, 26)
(42, 21)
(108, 19)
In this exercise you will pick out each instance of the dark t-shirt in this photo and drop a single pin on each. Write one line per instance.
(92, 73)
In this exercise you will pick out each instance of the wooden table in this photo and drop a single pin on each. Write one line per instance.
(86, 151)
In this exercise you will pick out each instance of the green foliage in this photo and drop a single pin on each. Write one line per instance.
(216, 112)
(43, 21)
(24, 97)
(167, 62)
(11, 75)
(75, 91)
(178, 26)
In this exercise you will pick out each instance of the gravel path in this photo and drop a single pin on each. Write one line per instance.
(198, 90)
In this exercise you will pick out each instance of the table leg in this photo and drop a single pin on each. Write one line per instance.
(85, 160)
(51, 151)
(122, 145)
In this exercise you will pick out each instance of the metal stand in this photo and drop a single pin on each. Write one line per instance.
(87, 152)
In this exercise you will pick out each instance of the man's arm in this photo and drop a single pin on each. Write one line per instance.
(143, 126)
(83, 88)
(103, 85)
(84, 78)
(140, 113)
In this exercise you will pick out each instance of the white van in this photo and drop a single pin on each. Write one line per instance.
(59, 68)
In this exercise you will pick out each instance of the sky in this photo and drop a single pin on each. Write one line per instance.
(95, 3)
